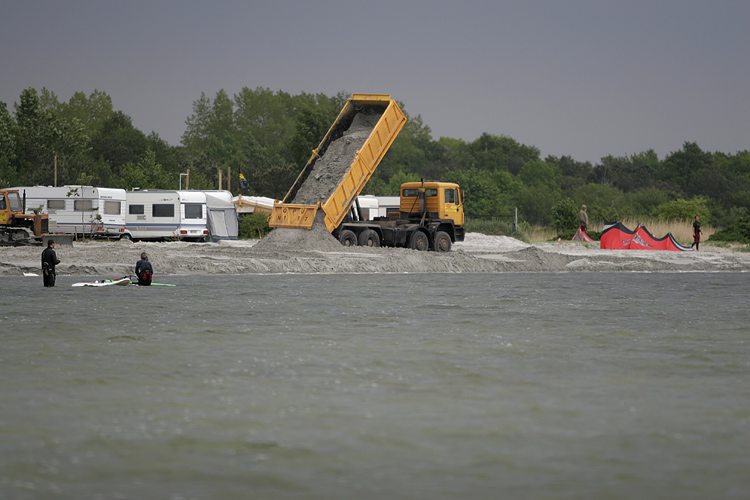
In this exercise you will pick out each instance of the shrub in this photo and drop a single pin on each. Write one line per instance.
(565, 216)
(253, 226)
(739, 231)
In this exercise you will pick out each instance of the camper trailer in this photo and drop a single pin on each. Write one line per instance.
(377, 206)
(78, 210)
(221, 215)
(166, 215)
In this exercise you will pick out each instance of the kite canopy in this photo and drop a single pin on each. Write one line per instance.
(581, 235)
(618, 237)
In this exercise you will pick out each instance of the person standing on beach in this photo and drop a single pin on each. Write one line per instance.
(144, 270)
(696, 232)
(49, 261)
(583, 218)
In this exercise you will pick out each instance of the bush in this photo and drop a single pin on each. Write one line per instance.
(683, 209)
(253, 226)
(565, 216)
(739, 232)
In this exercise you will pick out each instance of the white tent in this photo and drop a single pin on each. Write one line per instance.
(222, 216)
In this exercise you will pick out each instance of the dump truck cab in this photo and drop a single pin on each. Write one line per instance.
(17, 227)
(438, 200)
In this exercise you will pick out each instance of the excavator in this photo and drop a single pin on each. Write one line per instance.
(16, 226)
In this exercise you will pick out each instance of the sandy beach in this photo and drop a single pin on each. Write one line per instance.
(294, 252)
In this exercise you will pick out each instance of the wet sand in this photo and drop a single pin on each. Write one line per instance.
(292, 254)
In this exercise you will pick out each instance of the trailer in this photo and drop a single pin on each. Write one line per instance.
(430, 215)
(166, 215)
(371, 207)
(78, 210)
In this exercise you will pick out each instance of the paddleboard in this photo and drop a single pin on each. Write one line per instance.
(120, 282)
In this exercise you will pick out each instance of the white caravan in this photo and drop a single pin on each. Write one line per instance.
(162, 214)
(378, 206)
(74, 209)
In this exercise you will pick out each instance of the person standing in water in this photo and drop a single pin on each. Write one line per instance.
(144, 270)
(696, 232)
(49, 261)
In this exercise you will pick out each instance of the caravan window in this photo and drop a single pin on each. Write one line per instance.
(163, 210)
(136, 210)
(55, 205)
(83, 205)
(193, 211)
(112, 208)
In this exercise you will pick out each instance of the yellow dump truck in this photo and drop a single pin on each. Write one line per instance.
(431, 213)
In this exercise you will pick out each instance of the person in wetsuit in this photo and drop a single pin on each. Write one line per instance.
(144, 270)
(696, 232)
(49, 261)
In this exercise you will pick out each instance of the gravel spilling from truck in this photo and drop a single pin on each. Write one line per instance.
(282, 238)
(326, 173)
(331, 166)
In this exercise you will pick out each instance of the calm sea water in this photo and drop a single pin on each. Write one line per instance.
(378, 386)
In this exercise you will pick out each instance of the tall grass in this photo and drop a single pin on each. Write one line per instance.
(682, 230)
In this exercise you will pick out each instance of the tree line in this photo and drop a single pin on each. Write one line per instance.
(268, 136)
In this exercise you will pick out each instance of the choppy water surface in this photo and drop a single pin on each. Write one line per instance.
(378, 386)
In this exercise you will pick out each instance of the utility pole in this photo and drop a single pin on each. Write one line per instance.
(220, 172)
(229, 179)
(55, 169)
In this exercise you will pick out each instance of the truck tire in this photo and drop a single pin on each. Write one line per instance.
(419, 241)
(442, 242)
(348, 238)
(369, 238)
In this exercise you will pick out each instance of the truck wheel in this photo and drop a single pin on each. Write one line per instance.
(348, 238)
(369, 238)
(419, 241)
(442, 242)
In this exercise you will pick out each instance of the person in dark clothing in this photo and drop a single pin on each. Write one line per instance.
(49, 261)
(144, 270)
(696, 232)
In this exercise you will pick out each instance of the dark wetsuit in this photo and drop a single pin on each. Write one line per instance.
(696, 234)
(144, 271)
(49, 261)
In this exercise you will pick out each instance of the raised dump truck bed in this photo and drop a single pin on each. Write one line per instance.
(343, 162)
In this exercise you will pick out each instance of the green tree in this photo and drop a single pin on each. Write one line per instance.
(7, 147)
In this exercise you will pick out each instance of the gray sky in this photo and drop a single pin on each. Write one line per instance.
(577, 77)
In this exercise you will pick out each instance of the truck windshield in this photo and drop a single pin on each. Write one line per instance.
(15, 202)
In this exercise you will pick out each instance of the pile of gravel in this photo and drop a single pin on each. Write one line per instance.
(282, 238)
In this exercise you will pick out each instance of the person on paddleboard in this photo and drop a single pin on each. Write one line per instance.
(144, 270)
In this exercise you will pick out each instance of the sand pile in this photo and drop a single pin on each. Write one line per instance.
(331, 166)
(291, 240)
